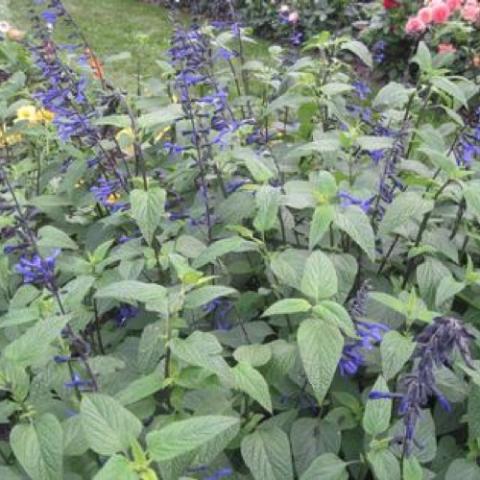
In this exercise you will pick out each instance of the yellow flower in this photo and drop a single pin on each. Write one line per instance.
(44, 115)
(125, 139)
(113, 198)
(9, 139)
(162, 133)
(28, 113)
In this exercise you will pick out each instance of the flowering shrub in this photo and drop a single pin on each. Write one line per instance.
(260, 268)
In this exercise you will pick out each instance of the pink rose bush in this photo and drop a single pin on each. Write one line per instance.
(437, 12)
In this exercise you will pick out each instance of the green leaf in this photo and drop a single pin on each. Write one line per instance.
(162, 117)
(256, 355)
(39, 447)
(360, 50)
(337, 314)
(288, 266)
(74, 441)
(118, 468)
(405, 207)
(288, 306)
(147, 209)
(108, 426)
(130, 291)
(320, 278)
(423, 57)
(392, 95)
(389, 301)
(267, 454)
(447, 289)
(355, 223)
(51, 238)
(140, 388)
(320, 346)
(412, 470)
(151, 347)
(450, 88)
(202, 296)
(384, 464)
(395, 350)
(462, 469)
(473, 413)
(223, 247)
(472, 196)
(377, 415)
(203, 350)
(326, 467)
(189, 435)
(34, 344)
(251, 381)
(268, 203)
(322, 218)
(372, 142)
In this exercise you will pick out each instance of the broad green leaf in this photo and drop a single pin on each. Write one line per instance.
(51, 238)
(360, 50)
(251, 381)
(423, 57)
(130, 291)
(147, 209)
(38, 447)
(372, 142)
(355, 223)
(405, 207)
(337, 314)
(376, 418)
(392, 95)
(256, 355)
(184, 436)
(117, 467)
(223, 247)
(288, 266)
(288, 306)
(108, 426)
(140, 388)
(463, 469)
(267, 454)
(384, 464)
(412, 470)
(320, 345)
(74, 441)
(447, 289)
(389, 301)
(311, 438)
(450, 88)
(203, 350)
(395, 350)
(473, 413)
(268, 203)
(326, 467)
(319, 278)
(151, 346)
(34, 344)
(472, 196)
(203, 295)
(322, 219)
(161, 117)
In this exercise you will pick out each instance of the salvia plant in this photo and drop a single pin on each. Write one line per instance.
(252, 268)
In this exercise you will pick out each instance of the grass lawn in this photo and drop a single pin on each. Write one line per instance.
(113, 27)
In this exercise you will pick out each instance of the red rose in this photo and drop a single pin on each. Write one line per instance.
(389, 4)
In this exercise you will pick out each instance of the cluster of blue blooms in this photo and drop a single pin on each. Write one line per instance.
(435, 347)
(369, 334)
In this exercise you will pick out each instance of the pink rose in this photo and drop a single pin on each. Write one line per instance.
(446, 48)
(453, 4)
(425, 14)
(414, 25)
(293, 17)
(470, 11)
(440, 12)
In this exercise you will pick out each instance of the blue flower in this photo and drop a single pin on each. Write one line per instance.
(435, 346)
(125, 313)
(347, 200)
(361, 89)
(77, 383)
(38, 270)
